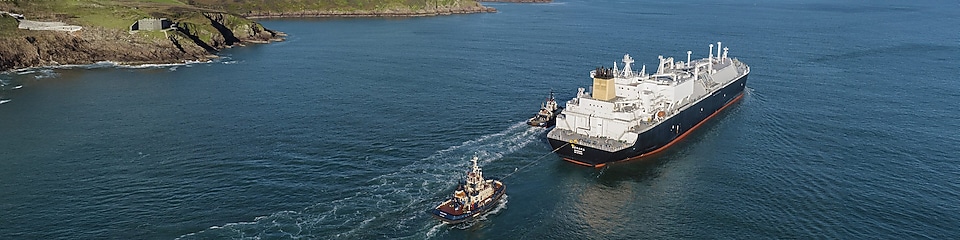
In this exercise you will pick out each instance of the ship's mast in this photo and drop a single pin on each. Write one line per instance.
(477, 174)
(627, 60)
(724, 54)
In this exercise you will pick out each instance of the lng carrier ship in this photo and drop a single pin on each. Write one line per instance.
(630, 114)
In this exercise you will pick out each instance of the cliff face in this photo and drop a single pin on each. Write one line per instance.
(190, 41)
(203, 27)
(44, 48)
(220, 30)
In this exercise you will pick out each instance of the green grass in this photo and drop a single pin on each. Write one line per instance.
(120, 14)
(158, 35)
(8, 26)
(171, 2)
(108, 14)
(243, 6)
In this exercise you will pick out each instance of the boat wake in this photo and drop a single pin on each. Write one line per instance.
(502, 204)
(390, 205)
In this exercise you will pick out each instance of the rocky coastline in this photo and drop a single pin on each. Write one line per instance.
(199, 33)
(186, 42)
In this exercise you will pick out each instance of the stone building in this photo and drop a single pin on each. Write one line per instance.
(151, 24)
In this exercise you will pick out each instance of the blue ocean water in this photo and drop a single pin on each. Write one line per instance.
(352, 128)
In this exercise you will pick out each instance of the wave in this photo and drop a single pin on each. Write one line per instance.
(389, 205)
(45, 73)
(40, 71)
(502, 204)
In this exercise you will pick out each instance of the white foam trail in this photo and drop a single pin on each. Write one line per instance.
(145, 66)
(46, 73)
(104, 64)
(397, 197)
(502, 204)
(433, 230)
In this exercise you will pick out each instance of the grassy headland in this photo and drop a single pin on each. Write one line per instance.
(202, 26)
(343, 8)
(105, 35)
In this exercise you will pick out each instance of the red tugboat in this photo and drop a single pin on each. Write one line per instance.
(547, 117)
(473, 197)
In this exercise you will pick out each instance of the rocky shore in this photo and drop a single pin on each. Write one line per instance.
(201, 29)
(50, 48)
(186, 42)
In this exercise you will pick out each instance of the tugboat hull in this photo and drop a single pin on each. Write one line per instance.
(545, 124)
(448, 213)
(659, 137)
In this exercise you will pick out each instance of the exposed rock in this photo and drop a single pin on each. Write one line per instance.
(95, 44)
(46, 48)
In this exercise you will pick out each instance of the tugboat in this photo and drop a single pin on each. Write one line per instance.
(473, 197)
(547, 116)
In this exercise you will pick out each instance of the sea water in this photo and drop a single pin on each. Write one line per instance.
(352, 128)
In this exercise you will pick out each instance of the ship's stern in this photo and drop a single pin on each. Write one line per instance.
(576, 149)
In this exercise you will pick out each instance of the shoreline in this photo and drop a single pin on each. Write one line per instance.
(189, 42)
(192, 38)
(109, 64)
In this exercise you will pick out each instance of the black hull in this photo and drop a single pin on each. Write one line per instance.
(659, 137)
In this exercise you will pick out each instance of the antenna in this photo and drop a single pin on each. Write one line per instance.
(725, 52)
(688, 57)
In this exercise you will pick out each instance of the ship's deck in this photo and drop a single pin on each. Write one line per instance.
(448, 207)
(606, 144)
